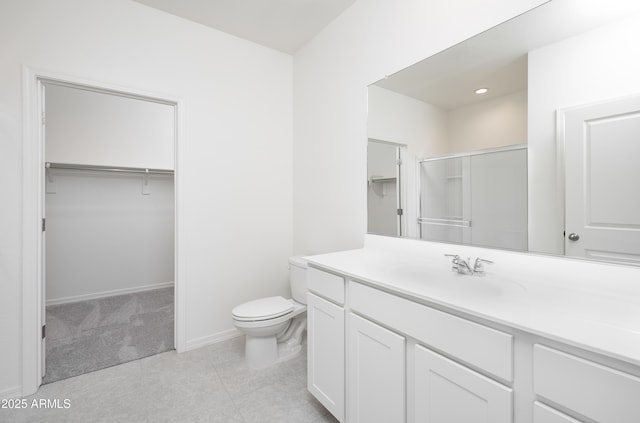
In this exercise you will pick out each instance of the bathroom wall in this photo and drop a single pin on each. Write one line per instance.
(603, 60)
(405, 120)
(497, 122)
(234, 162)
(432, 131)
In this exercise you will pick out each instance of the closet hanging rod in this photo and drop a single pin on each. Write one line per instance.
(70, 166)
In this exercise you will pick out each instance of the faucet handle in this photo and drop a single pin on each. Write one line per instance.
(455, 256)
(478, 266)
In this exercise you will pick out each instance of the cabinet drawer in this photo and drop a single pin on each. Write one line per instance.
(486, 348)
(590, 389)
(326, 285)
(544, 414)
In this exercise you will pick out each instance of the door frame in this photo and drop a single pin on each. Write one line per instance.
(32, 213)
(401, 178)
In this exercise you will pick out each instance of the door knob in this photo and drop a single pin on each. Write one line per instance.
(574, 236)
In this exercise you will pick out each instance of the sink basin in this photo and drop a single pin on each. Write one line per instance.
(428, 278)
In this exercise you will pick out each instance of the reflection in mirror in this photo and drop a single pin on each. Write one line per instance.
(384, 196)
(538, 68)
(477, 199)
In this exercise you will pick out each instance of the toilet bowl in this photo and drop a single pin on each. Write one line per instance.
(273, 326)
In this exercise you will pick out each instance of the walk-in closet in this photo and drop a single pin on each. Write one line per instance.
(109, 226)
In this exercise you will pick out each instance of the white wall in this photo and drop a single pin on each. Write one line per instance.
(234, 163)
(381, 159)
(394, 117)
(497, 122)
(598, 65)
(104, 237)
(94, 128)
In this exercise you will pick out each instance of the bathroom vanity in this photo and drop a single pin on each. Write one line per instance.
(394, 335)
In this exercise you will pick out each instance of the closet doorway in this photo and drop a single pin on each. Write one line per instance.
(108, 228)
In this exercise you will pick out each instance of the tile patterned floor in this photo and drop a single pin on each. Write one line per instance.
(210, 384)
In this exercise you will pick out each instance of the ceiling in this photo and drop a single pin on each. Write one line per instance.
(284, 25)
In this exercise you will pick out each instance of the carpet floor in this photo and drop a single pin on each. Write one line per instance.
(89, 335)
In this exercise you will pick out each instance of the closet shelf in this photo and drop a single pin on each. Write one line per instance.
(71, 166)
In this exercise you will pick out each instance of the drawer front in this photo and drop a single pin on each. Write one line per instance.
(590, 389)
(486, 348)
(544, 414)
(326, 285)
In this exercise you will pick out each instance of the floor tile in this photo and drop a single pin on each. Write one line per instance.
(211, 384)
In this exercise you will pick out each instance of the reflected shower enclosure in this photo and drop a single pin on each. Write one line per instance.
(477, 198)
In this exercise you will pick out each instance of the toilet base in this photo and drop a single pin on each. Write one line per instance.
(263, 351)
(260, 352)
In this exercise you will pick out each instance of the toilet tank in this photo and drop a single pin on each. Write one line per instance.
(298, 279)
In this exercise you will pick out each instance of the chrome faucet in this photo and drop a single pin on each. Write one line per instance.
(462, 266)
(478, 266)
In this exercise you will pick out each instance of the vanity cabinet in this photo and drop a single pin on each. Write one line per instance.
(443, 390)
(584, 387)
(410, 360)
(376, 370)
(446, 391)
(326, 340)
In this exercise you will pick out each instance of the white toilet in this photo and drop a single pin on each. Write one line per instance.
(273, 326)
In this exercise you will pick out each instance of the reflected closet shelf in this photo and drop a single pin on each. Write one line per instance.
(382, 180)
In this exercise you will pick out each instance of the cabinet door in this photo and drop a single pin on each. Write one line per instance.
(447, 392)
(376, 372)
(325, 355)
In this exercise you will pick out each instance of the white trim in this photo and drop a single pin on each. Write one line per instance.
(193, 344)
(475, 152)
(561, 219)
(31, 235)
(104, 294)
(32, 179)
(11, 393)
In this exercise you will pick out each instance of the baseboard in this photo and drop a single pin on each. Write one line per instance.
(95, 295)
(212, 339)
(11, 393)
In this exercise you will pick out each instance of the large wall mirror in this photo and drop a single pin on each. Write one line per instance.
(524, 137)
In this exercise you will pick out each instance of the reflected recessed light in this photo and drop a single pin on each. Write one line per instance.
(482, 90)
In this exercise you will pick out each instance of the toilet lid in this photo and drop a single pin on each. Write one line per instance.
(262, 309)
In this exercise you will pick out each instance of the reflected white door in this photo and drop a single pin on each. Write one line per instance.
(602, 167)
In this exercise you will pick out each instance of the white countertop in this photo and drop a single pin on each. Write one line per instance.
(604, 321)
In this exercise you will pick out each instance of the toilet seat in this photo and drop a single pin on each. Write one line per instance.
(262, 309)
